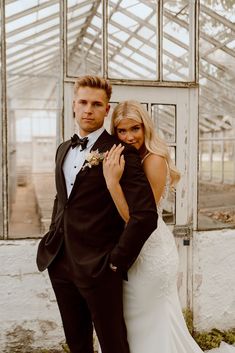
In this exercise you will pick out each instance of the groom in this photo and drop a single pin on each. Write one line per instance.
(88, 248)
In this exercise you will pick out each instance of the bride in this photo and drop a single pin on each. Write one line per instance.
(154, 320)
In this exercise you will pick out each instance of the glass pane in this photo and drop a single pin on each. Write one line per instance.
(216, 205)
(168, 213)
(205, 155)
(177, 40)
(164, 116)
(132, 42)
(84, 31)
(217, 184)
(33, 68)
(229, 162)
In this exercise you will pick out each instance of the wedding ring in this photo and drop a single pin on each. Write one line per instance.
(113, 268)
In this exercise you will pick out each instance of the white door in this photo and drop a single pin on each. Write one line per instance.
(175, 115)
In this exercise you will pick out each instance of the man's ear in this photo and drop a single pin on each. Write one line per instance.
(73, 106)
(107, 109)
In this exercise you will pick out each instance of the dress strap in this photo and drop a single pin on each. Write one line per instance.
(143, 159)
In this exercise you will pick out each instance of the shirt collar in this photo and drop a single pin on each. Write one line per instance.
(93, 136)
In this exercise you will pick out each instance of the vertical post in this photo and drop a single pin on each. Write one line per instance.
(233, 161)
(200, 149)
(159, 35)
(196, 42)
(63, 70)
(193, 40)
(222, 158)
(4, 132)
(211, 156)
(104, 38)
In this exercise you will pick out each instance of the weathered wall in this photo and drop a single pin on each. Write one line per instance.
(28, 313)
(214, 279)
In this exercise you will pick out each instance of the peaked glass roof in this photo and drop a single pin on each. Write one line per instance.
(33, 43)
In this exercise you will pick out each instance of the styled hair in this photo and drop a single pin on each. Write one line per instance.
(153, 143)
(93, 82)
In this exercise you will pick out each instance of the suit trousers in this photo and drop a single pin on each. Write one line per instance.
(81, 307)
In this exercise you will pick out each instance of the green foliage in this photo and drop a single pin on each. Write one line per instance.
(65, 348)
(188, 316)
(208, 340)
(63, 345)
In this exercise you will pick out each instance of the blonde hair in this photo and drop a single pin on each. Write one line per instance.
(154, 144)
(93, 82)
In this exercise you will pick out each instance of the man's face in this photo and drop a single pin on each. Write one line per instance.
(90, 106)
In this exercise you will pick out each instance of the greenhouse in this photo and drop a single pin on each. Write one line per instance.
(177, 58)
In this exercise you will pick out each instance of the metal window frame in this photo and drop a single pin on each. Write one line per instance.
(4, 126)
(194, 33)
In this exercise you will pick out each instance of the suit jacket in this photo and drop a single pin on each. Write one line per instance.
(87, 222)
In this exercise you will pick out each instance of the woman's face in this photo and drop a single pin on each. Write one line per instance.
(131, 132)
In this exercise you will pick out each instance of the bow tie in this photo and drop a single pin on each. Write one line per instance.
(77, 141)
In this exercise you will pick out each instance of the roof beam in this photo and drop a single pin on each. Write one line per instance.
(31, 10)
(217, 17)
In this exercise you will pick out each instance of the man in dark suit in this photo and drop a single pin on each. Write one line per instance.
(88, 248)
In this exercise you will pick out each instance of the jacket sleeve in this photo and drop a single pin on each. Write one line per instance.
(55, 205)
(142, 209)
(54, 212)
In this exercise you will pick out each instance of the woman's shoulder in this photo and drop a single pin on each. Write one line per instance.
(154, 162)
(153, 158)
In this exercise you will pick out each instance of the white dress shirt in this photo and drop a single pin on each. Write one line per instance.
(75, 159)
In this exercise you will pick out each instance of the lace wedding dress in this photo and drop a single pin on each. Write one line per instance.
(152, 310)
(154, 319)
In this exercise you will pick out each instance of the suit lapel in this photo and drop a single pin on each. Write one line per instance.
(60, 174)
(102, 142)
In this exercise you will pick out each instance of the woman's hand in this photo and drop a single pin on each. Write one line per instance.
(113, 165)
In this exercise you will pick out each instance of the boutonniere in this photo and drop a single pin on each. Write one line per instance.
(93, 158)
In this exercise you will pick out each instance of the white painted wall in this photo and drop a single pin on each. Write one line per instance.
(214, 279)
(28, 311)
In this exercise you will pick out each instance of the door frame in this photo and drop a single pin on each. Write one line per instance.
(186, 101)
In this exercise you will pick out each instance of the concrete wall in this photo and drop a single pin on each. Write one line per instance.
(28, 313)
(29, 318)
(214, 279)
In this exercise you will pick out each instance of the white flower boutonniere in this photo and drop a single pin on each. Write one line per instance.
(93, 158)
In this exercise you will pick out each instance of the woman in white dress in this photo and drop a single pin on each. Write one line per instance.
(152, 310)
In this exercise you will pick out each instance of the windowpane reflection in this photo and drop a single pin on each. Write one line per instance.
(216, 186)
(177, 40)
(132, 41)
(33, 68)
(216, 181)
(164, 118)
(31, 160)
(84, 31)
